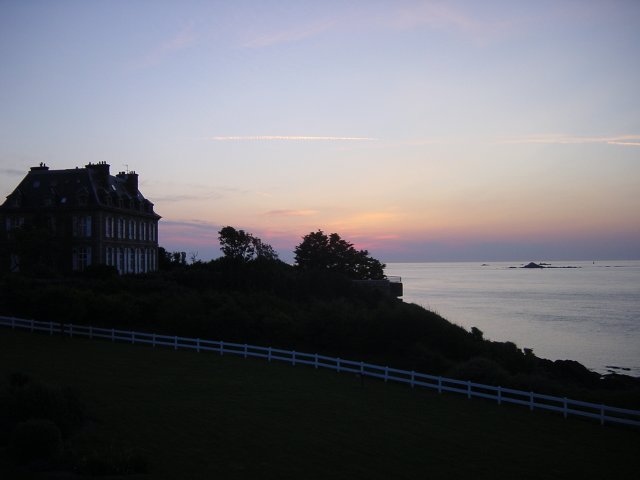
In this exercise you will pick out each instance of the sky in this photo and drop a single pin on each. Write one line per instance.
(419, 130)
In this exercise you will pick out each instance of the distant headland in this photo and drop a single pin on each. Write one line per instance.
(542, 265)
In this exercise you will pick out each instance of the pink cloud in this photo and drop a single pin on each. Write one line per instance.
(291, 213)
(290, 35)
(184, 39)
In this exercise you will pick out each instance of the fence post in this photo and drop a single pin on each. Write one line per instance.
(293, 358)
(601, 414)
(413, 374)
(13, 323)
(469, 389)
(499, 395)
(133, 337)
(386, 374)
(198, 345)
(113, 335)
(531, 401)
(90, 333)
(175, 342)
(338, 364)
(439, 384)
(315, 360)
(269, 354)
(245, 350)
(564, 405)
(153, 340)
(362, 369)
(221, 347)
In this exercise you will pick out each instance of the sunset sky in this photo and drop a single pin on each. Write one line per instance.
(420, 130)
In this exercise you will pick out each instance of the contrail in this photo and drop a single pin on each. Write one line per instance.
(288, 138)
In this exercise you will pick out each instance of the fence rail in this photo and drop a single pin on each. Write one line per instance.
(532, 400)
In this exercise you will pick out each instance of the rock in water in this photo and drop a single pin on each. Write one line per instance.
(532, 265)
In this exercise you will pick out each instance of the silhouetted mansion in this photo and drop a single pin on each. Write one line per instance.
(70, 219)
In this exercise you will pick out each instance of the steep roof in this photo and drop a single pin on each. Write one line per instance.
(91, 186)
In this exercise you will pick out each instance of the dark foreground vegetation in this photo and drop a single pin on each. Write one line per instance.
(267, 302)
(114, 409)
(45, 427)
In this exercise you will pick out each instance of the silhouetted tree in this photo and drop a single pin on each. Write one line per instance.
(35, 249)
(244, 246)
(169, 260)
(319, 251)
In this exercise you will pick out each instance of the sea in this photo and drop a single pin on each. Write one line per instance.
(584, 311)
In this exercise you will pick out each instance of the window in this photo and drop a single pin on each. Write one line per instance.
(120, 227)
(82, 226)
(14, 222)
(120, 265)
(16, 201)
(136, 261)
(81, 258)
(109, 227)
(132, 260)
(14, 263)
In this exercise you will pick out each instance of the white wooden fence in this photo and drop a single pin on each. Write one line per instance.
(531, 400)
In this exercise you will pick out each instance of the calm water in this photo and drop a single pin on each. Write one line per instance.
(590, 314)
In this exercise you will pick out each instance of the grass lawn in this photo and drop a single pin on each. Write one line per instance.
(205, 416)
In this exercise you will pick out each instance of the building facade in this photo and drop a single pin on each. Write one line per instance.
(66, 220)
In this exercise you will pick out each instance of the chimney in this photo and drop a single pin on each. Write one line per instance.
(41, 167)
(130, 181)
(101, 172)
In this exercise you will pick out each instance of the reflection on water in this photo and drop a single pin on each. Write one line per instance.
(590, 314)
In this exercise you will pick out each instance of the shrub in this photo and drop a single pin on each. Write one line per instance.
(480, 370)
(36, 440)
(112, 459)
(18, 379)
(24, 399)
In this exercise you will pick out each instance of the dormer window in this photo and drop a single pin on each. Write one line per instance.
(82, 226)
(82, 196)
(14, 222)
(104, 196)
(16, 200)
